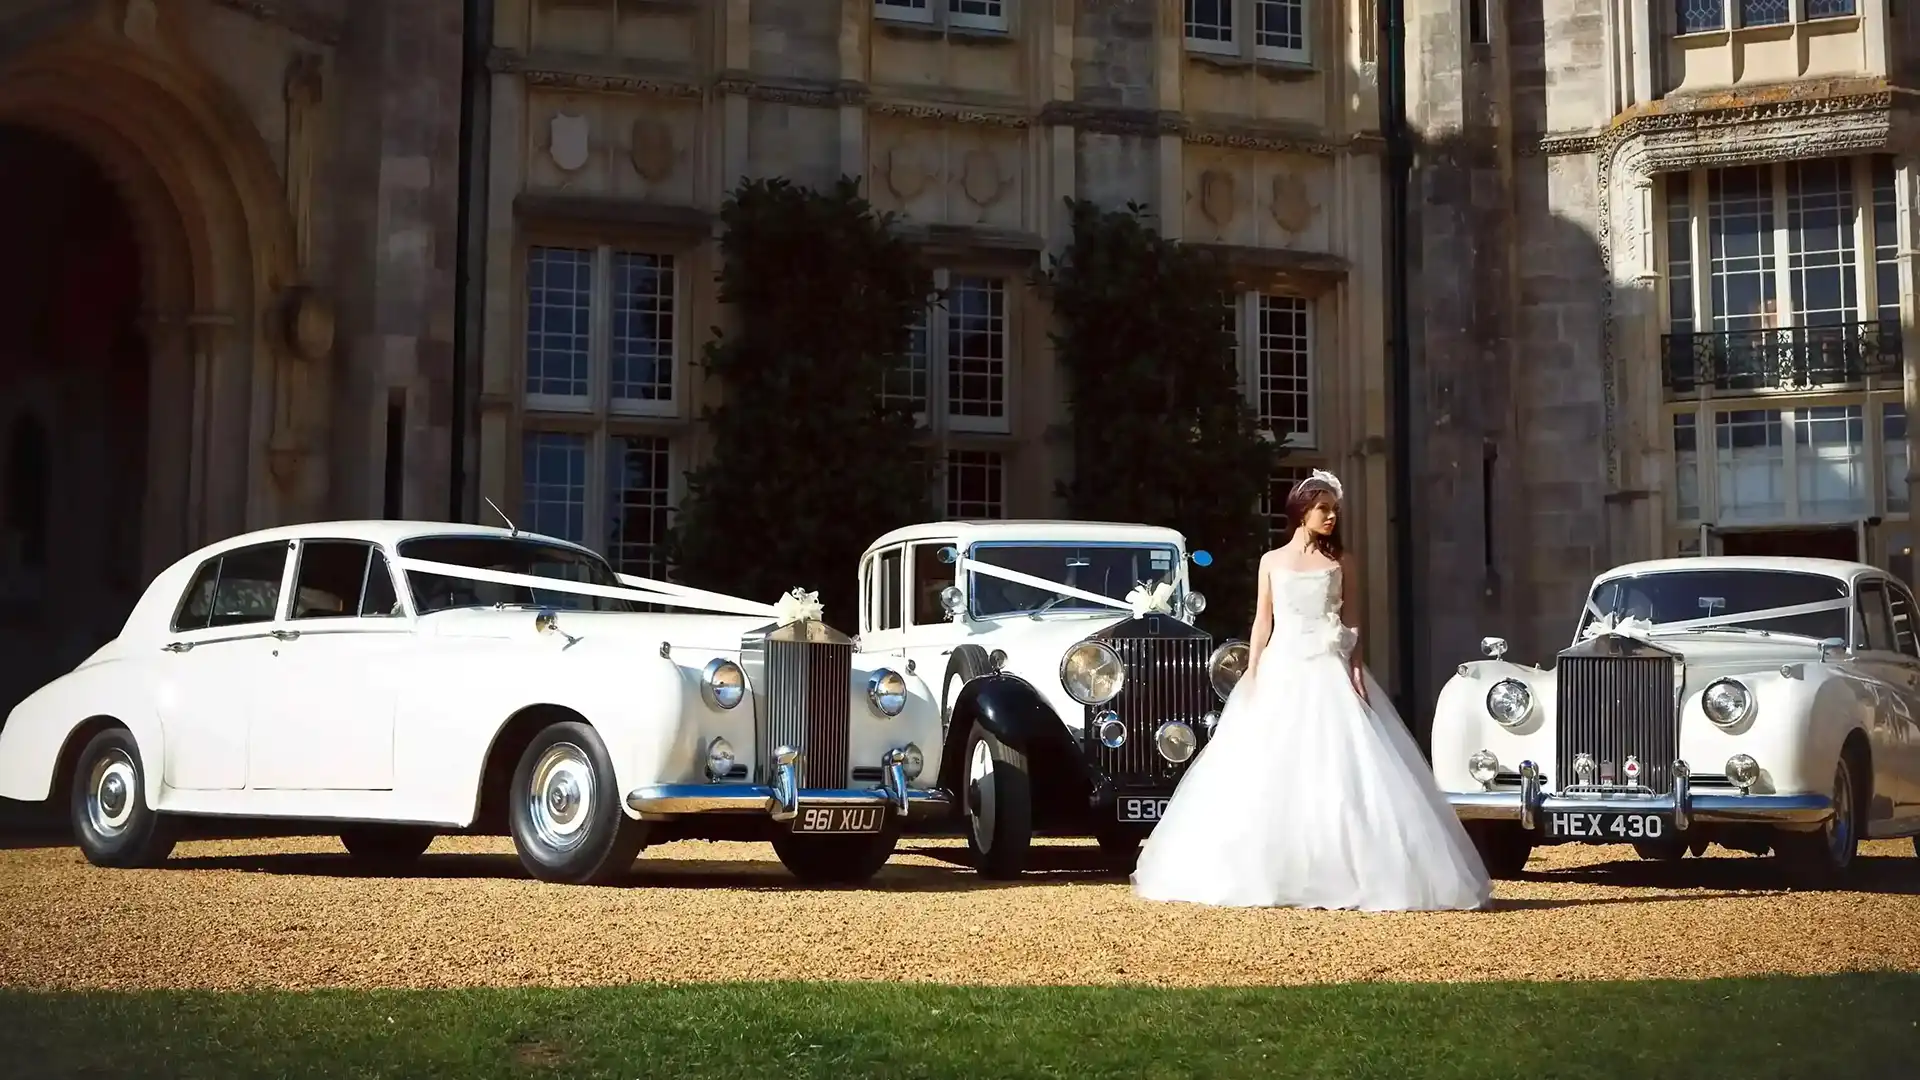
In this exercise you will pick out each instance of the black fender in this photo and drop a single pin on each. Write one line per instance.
(1016, 714)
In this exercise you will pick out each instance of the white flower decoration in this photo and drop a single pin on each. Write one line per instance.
(1332, 482)
(1154, 601)
(797, 605)
(1613, 624)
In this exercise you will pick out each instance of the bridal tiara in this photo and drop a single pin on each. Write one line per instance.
(1325, 479)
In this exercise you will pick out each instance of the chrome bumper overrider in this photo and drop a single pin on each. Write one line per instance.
(1530, 802)
(781, 801)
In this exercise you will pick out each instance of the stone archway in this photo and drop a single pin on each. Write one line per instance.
(154, 368)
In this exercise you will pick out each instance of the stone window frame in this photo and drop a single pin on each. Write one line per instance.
(939, 15)
(1730, 16)
(992, 459)
(601, 327)
(1707, 510)
(1245, 307)
(1244, 44)
(935, 417)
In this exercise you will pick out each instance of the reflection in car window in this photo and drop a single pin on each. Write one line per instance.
(328, 582)
(377, 598)
(436, 592)
(248, 587)
(1108, 571)
(931, 577)
(196, 604)
(1901, 608)
(1685, 595)
(1876, 627)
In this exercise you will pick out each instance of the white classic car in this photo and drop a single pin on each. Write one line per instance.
(405, 679)
(1073, 684)
(1764, 704)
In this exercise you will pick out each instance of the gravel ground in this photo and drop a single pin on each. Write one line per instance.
(297, 913)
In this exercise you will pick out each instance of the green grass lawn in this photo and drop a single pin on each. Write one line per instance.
(1852, 1026)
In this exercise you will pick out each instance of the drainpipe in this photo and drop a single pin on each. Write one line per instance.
(1391, 29)
(469, 258)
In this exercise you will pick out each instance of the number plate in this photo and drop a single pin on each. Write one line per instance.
(1606, 827)
(839, 819)
(1143, 808)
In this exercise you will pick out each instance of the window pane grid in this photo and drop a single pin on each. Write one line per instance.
(1273, 502)
(1831, 462)
(643, 332)
(553, 476)
(1751, 464)
(990, 14)
(909, 382)
(559, 310)
(1696, 16)
(975, 485)
(977, 349)
(1679, 254)
(639, 497)
(1740, 248)
(1210, 21)
(1820, 237)
(1893, 450)
(1686, 467)
(1280, 25)
(1886, 241)
(1828, 9)
(1283, 390)
(1764, 12)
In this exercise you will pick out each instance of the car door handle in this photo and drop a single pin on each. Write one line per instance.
(286, 635)
(177, 646)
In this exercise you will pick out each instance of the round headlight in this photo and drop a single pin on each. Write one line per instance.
(723, 683)
(1509, 702)
(1226, 665)
(912, 760)
(1113, 733)
(719, 759)
(1092, 673)
(887, 690)
(1196, 601)
(1726, 702)
(1175, 741)
(1743, 771)
(1484, 766)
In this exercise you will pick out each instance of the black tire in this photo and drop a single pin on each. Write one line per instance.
(572, 830)
(108, 809)
(1823, 857)
(1661, 850)
(998, 809)
(386, 845)
(1504, 847)
(1120, 846)
(838, 860)
(967, 663)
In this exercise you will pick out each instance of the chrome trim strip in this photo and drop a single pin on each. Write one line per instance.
(1728, 809)
(673, 800)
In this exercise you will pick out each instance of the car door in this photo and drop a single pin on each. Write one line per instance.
(216, 664)
(1901, 746)
(931, 636)
(342, 646)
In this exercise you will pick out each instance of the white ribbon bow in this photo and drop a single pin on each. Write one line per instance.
(797, 605)
(1144, 601)
(1613, 624)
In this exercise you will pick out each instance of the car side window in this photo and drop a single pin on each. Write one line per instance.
(930, 578)
(248, 590)
(196, 604)
(378, 600)
(329, 579)
(1901, 607)
(887, 586)
(1876, 624)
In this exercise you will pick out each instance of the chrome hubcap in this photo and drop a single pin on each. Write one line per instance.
(1840, 825)
(980, 794)
(110, 787)
(560, 796)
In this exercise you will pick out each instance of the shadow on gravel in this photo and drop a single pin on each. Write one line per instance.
(1894, 876)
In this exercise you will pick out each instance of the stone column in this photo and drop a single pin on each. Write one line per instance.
(1906, 187)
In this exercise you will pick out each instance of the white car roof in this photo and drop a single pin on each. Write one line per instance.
(1038, 530)
(1834, 568)
(376, 531)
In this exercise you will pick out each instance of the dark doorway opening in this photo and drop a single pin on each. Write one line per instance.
(1828, 543)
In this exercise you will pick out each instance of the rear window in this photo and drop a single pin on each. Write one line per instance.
(1684, 596)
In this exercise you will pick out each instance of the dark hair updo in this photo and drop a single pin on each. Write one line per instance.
(1302, 499)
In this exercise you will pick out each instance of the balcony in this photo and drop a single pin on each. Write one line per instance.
(1789, 358)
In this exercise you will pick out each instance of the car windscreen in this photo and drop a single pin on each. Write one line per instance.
(437, 592)
(1106, 571)
(1689, 595)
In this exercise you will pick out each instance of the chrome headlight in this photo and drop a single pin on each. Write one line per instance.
(719, 759)
(1196, 601)
(1092, 673)
(1509, 702)
(887, 691)
(913, 760)
(1483, 766)
(1175, 741)
(1727, 702)
(723, 683)
(1225, 667)
(1110, 729)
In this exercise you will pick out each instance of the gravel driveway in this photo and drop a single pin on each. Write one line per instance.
(297, 913)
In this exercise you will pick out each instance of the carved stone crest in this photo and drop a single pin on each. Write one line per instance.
(567, 141)
(905, 176)
(650, 148)
(980, 178)
(1216, 196)
(1293, 208)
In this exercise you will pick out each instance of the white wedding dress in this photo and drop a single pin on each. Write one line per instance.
(1307, 796)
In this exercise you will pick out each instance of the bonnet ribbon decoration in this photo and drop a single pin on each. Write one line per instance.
(1615, 626)
(797, 605)
(1144, 601)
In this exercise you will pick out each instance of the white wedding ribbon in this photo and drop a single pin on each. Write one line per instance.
(1614, 625)
(1736, 618)
(695, 599)
(1144, 601)
(797, 606)
(976, 567)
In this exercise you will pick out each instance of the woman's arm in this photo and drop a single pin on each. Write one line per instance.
(1262, 615)
(1350, 614)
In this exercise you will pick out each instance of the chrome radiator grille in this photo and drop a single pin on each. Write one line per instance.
(1166, 680)
(808, 696)
(1615, 707)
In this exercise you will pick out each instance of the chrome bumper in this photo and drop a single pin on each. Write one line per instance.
(1528, 804)
(781, 800)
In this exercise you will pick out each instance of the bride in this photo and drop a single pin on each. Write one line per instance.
(1311, 793)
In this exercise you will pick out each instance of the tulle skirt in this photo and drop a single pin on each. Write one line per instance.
(1309, 797)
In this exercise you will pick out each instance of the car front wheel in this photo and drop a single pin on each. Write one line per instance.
(1823, 856)
(998, 800)
(1503, 846)
(111, 820)
(386, 845)
(838, 860)
(564, 810)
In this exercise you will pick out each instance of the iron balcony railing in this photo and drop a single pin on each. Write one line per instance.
(1789, 358)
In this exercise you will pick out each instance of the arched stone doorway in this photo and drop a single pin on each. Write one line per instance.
(142, 394)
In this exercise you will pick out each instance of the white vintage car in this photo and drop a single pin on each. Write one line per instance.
(1764, 704)
(1074, 686)
(404, 679)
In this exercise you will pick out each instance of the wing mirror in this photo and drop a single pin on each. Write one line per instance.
(1828, 645)
(1494, 647)
(1202, 557)
(949, 555)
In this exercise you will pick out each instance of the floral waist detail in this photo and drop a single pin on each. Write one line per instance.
(1302, 637)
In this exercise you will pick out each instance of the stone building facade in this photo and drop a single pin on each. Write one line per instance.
(1688, 231)
(229, 298)
(617, 128)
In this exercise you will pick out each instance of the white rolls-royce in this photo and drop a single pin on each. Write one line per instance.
(1770, 705)
(405, 679)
